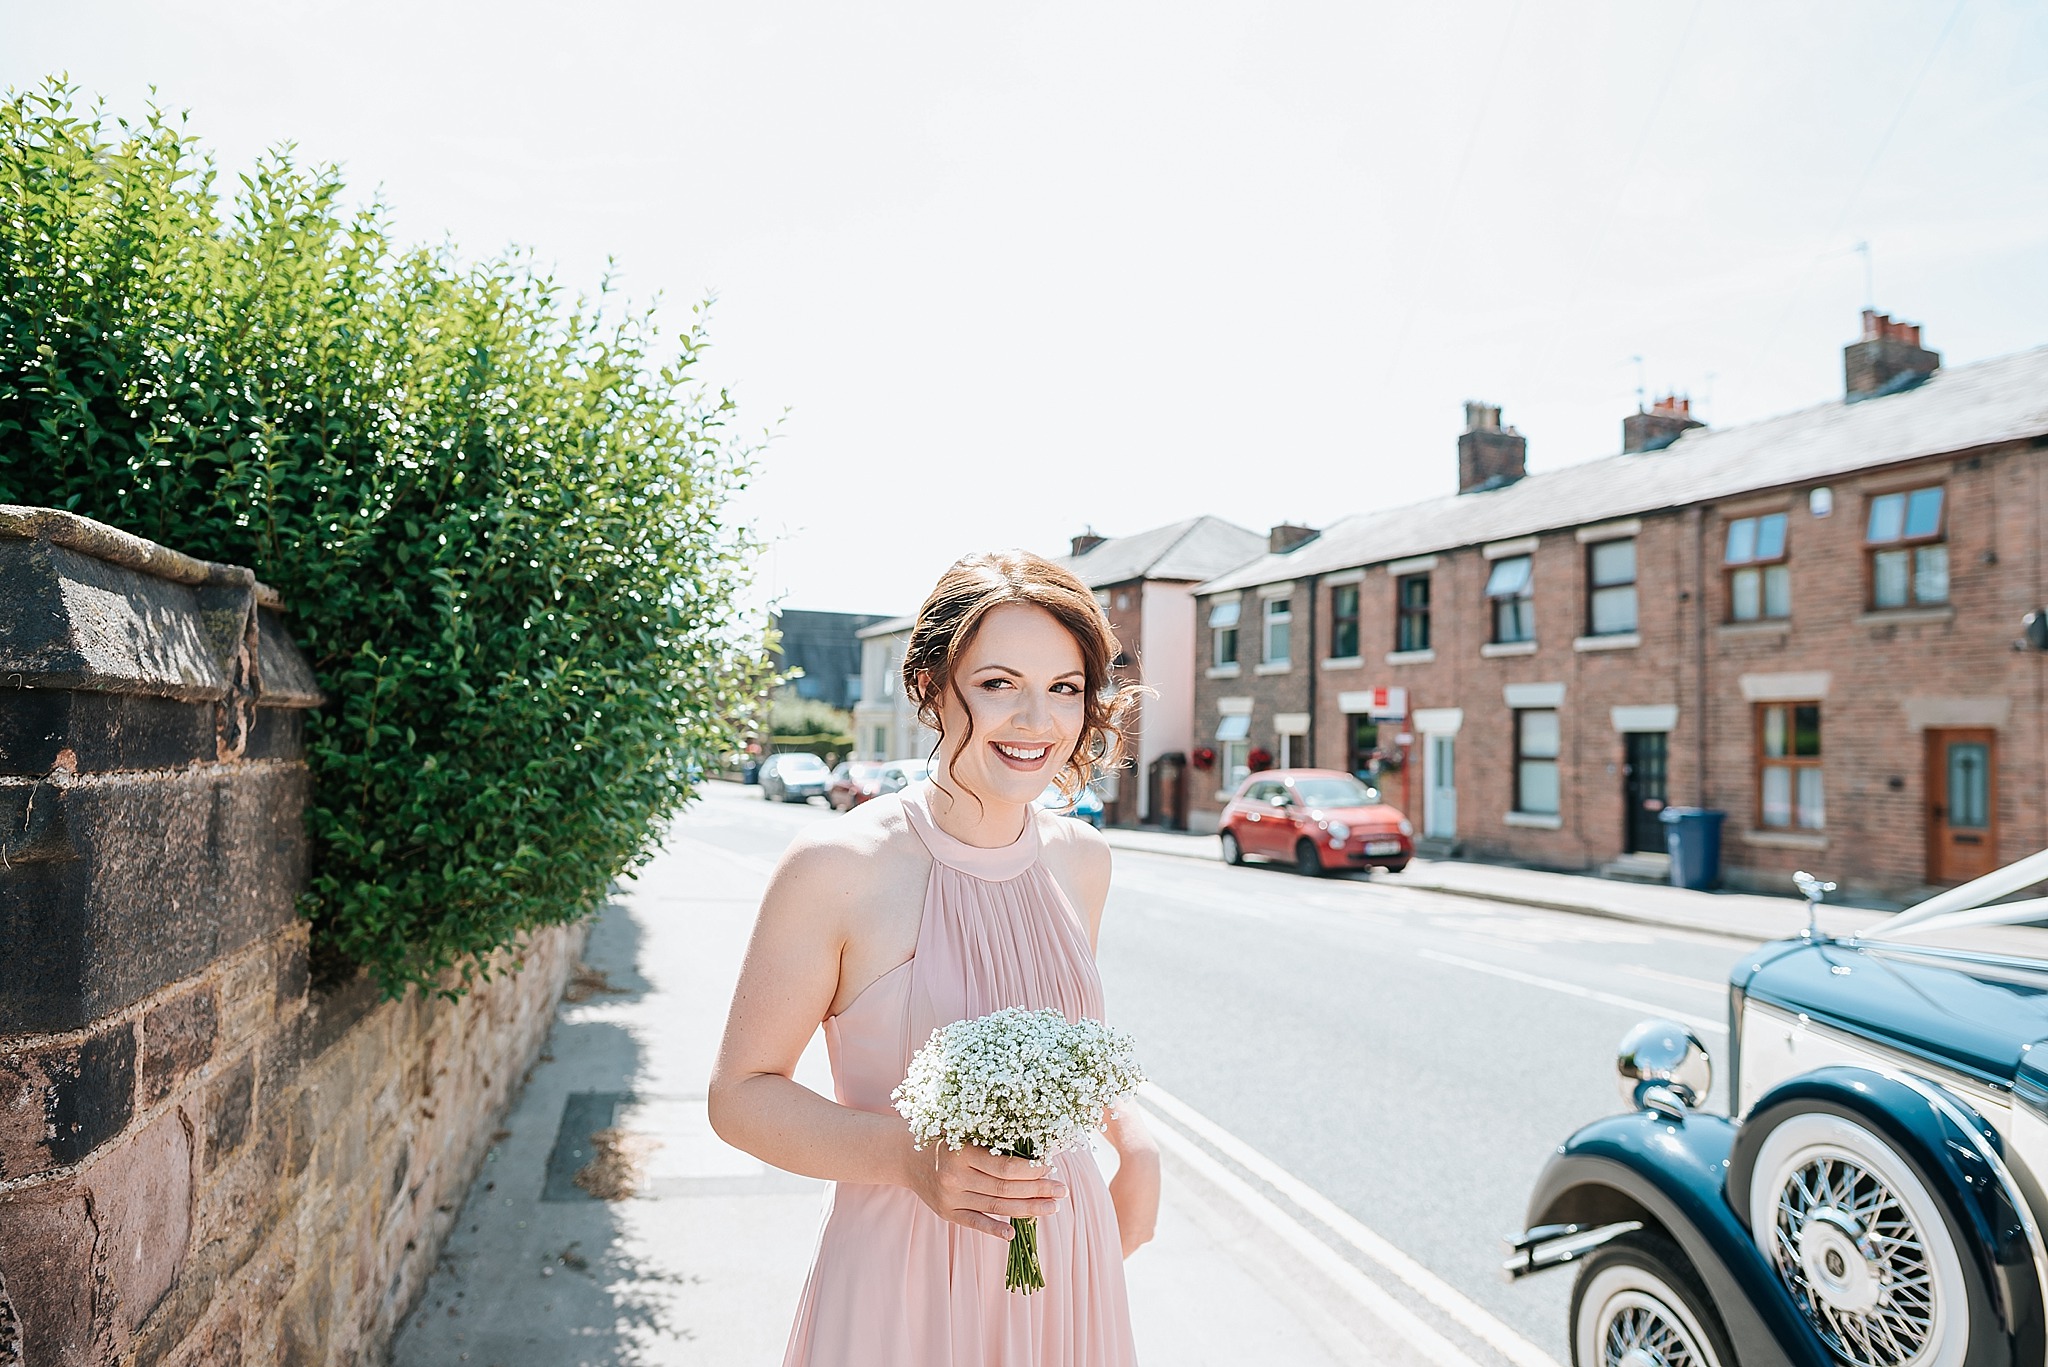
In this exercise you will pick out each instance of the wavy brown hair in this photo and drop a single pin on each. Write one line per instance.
(965, 594)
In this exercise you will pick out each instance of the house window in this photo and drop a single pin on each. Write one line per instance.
(1536, 750)
(1279, 629)
(1223, 632)
(1759, 584)
(1233, 751)
(1908, 550)
(1611, 587)
(1411, 600)
(881, 742)
(1362, 755)
(1788, 766)
(1344, 622)
(1511, 589)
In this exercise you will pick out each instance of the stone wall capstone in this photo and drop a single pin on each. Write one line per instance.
(203, 1159)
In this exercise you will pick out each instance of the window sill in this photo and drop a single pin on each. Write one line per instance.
(1494, 650)
(1784, 840)
(1274, 667)
(1763, 626)
(1887, 617)
(1222, 672)
(1342, 662)
(1619, 640)
(1410, 657)
(1532, 821)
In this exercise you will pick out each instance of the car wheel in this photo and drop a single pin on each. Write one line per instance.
(1637, 1300)
(766, 796)
(1233, 853)
(1307, 862)
(1395, 868)
(1851, 1227)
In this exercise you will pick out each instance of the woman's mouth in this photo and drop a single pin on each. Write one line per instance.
(1024, 758)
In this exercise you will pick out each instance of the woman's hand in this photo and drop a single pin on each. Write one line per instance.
(983, 1191)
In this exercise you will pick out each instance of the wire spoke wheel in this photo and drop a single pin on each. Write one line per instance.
(1642, 1332)
(1857, 1239)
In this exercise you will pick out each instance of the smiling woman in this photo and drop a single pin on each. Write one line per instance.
(949, 900)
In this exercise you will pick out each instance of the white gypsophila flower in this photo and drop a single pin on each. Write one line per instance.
(1017, 1081)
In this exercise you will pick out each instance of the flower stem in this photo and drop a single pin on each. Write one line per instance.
(1025, 1274)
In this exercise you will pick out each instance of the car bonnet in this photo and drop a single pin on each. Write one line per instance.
(1978, 1016)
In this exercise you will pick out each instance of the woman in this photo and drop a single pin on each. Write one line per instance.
(953, 899)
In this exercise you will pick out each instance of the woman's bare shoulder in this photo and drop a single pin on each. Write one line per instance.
(871, 843)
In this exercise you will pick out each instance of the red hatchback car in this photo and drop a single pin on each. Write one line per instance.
(1318, 820)
(853, 782)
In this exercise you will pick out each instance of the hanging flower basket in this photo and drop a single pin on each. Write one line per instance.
(1259, 759)
(1203, 757)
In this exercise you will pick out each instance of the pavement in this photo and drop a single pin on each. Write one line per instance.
(610, 1226)
(1743, 916)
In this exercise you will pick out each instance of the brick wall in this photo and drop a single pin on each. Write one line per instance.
(203, 1160)
(1271, 693)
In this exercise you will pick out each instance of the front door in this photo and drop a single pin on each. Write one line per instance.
(1962, 834)
(1440, 790)
(1643, 790)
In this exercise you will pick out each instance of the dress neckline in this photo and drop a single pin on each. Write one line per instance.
(996, 865)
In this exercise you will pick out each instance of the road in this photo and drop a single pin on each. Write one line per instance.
(1410, 1056)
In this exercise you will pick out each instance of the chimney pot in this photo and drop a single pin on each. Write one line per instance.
(1886, 359)
(1086, 542)
(1489, 455)
(1668, 419)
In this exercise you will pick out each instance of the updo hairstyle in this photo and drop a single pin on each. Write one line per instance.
(953, 612)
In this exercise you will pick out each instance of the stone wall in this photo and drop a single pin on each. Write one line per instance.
(203, 1160)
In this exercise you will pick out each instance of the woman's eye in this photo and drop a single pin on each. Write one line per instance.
(995, 683)
(1067, 688)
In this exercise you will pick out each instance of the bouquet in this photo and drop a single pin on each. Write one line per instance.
(1030, 1083)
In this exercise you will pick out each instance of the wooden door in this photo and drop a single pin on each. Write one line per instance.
(1962, 795)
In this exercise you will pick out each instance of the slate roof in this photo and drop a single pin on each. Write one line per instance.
(887, 628)
(1957, 409)
(1190, 551)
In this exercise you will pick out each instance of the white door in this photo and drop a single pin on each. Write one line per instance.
(1440, 791)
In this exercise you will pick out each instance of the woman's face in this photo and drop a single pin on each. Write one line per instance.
(1025, 689)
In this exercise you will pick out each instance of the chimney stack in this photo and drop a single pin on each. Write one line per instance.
(1668, 419)
(1086, 542)
(1489, 456)
(1886, 359)
(1286, 536)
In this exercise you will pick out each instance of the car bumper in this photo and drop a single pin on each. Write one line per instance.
(1369, 851)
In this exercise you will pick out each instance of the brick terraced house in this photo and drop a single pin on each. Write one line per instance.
(1145, 582)
(1810, 623)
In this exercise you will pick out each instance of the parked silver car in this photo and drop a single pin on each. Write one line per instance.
(793, 777)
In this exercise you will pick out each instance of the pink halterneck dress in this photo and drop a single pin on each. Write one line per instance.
(892, 1284)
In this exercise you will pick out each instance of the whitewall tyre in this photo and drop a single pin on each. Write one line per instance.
(1851, 1227)
(1233, 853)
(1637, 1301)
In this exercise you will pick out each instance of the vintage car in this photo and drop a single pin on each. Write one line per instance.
(1879, 1200)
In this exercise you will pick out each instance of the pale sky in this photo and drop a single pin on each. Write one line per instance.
(1013, 270)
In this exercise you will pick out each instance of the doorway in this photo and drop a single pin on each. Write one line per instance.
(1962, 788)
(1440, 787)
(1645, 769)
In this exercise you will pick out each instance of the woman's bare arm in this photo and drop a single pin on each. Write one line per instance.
(786, 987)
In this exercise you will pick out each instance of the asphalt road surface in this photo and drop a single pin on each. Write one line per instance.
(1411, 1056)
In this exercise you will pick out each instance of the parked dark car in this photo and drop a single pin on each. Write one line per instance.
(852, 783)
(899, 774)
(1879, 1202)
(793, 777)
(1318, 820)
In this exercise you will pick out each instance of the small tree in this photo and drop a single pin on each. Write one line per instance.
(496, 516)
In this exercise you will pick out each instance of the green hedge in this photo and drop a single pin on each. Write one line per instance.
(496, 515)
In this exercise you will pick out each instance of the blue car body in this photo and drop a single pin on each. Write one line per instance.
(1935, 1062)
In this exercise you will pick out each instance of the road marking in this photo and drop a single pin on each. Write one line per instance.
(1574, 990)
(1361, 1288)
(1461, 1309)
(1644, 970)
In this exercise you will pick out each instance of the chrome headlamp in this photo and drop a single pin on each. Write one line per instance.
(1664, 1068)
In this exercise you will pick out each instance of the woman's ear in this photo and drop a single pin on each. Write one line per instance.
(922, 682)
